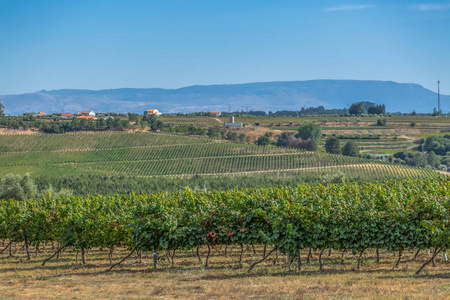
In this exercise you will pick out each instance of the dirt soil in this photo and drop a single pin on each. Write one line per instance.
(187, 278)
(255, 131)
(18, 131)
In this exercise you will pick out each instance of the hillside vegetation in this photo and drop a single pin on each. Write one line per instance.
(150, 154)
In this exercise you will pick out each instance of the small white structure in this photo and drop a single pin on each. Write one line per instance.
(215, 113)
(87, 113)
(231, 123)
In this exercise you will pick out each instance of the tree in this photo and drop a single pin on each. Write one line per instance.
(350, 149)
(149, 118)
(283, 139)
(157, 125)
(377, 110)
(381, 122)
(357, 109)
(214, 133)
(332, 146)
(312, 145)
(263, 141)
(232, 136)
(1, 108)
(17, 187)
(433, 160)
(309, 131)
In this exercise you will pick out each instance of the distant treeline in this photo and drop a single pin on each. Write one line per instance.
(372, 109)
(57, 124)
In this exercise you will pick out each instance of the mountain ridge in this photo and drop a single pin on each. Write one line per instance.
(267, 96)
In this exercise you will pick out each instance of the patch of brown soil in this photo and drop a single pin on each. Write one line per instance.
(443, 172)
(18, 131)
(255, 131)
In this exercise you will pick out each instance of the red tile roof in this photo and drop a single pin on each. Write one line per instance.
(87, 117)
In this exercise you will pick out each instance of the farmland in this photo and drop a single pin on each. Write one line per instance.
(151, 154)
(206, 240)
(338, 236)
(396, 127)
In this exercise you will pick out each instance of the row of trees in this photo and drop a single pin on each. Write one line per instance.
(361, 108)
(307, 137)
(333, 146)
(24, 187)
(426, 160)
(437, 155)
(62, 126)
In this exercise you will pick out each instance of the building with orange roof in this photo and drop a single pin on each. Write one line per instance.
(215, 113)
(152, 112)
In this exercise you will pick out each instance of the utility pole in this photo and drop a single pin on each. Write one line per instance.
(439, 99)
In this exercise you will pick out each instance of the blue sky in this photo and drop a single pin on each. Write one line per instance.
(102, 44)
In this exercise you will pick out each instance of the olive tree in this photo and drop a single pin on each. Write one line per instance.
(17, 187)
(309, 131)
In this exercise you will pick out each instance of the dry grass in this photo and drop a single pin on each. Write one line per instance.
(223, 279)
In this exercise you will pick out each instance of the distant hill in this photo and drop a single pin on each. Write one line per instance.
(267, 96)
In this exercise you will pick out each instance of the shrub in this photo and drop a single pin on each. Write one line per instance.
(350, 149)
(312, 145)
(381, 122)
(263, 141)
(332, 146)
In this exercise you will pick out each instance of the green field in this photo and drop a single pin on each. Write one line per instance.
(155, 154)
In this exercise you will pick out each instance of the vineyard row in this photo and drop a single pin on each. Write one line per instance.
(389, 215)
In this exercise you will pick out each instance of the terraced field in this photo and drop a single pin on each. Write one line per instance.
(376, 145)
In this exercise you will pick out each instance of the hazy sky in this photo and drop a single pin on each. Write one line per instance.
(101, 44)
